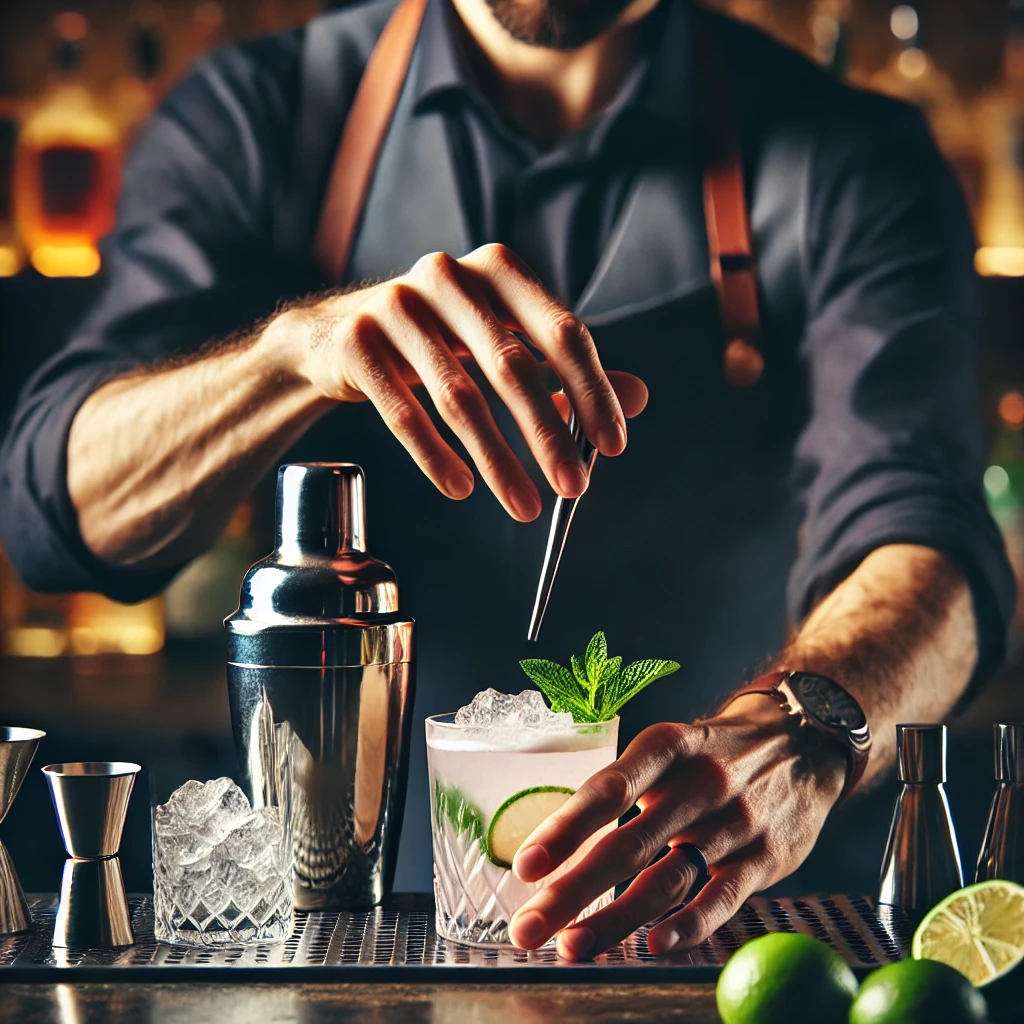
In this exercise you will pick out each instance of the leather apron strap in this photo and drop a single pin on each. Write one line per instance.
(733, 271)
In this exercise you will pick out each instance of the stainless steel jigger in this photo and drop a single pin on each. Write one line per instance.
(17, 748)
(1002, 850)
(561, 520)
(921, 863)
(91, 799)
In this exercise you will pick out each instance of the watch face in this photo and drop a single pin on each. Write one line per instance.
(827, 701)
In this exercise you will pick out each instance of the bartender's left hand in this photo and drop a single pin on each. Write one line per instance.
(742, 786)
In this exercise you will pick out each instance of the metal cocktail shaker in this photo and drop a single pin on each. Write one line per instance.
(320, 680)
(1002, 849)
(921, 863)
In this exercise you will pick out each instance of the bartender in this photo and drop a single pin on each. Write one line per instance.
(320, 255)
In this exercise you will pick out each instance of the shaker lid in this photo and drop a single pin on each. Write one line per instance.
(319, 575)
(921, 753)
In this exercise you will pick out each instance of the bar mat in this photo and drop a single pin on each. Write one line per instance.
(397, 942)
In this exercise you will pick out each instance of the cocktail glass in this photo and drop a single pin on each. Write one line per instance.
(489, 788)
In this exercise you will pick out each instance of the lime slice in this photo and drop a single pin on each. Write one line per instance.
(979, 930)
(518, 816)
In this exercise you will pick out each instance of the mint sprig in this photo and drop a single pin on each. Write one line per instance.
(596, 687)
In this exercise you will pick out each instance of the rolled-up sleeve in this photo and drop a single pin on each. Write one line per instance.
(190, 260)
(893, 451)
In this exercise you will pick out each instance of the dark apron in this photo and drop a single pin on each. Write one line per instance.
(681, 546)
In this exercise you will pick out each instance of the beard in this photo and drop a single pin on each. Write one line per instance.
(556, 24)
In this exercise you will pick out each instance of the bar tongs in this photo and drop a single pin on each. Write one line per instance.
(561, 520)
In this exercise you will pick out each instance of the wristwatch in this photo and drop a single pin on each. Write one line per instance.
(824, 706)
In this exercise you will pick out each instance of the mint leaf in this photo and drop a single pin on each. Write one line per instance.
(596, 656)
(559, 685)
(596, 687)
(631, 680)
(580, 672)
(452, 804)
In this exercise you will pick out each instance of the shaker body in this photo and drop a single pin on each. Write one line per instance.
(341, 734)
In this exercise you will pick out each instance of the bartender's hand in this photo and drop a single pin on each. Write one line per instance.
(740, 786)
(380, 342)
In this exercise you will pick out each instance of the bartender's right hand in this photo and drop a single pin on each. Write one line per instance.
(380, 342)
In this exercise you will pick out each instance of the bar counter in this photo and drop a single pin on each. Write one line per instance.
(131, 1003)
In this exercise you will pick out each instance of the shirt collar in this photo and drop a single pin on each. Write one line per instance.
(658, 85)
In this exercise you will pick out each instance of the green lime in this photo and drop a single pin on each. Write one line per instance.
(518, 816)
(918, 992)
(979, 930)
(786, 978)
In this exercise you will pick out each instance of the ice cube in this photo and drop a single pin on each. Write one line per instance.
(522, 711)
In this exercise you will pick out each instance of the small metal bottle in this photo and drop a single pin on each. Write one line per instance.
(320, 682)
(1002, 849)
(921, 862)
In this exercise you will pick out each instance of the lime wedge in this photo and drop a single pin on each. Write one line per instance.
(518, 816)
(979, 930)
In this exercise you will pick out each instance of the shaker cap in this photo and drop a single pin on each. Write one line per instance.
(319, 598)
(1009, 746)
(921, 753)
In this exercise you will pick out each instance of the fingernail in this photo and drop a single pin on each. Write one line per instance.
(572, 479)
(578, 942)
(458, 485)
(611, 440)
(665, 942)
(532, 863)
(529, 930)
(525, 505)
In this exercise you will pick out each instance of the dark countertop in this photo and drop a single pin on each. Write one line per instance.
(372, 1004)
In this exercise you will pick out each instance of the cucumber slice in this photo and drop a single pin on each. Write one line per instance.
(518, 816)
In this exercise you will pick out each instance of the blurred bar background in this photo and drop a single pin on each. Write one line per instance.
(146, 682)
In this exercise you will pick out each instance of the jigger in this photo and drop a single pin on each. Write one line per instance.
(17, 748)
(90, 799)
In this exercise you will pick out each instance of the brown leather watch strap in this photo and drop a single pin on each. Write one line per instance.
(733, 270)
(367, 124)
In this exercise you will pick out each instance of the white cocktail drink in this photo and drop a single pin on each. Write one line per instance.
(497, 770)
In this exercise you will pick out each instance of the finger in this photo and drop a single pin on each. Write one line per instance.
(458, 299)
(377, 376)
(627, 851)
(631, 391)
(561, 336)
(732, 881)
(411, 329)
(603, 798)
(659, 888)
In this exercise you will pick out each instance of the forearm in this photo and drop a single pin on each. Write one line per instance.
(899, 633)
(158, 460)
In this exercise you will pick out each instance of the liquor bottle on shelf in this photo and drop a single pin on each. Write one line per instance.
(830, 29)
(134, 96)
(205, 592)
(67, 166)
(12, 255)
(999, 114)
(912, 75)
(31, 625)
(1004, 488)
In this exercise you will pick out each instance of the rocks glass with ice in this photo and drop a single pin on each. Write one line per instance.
(222, 872)
(498, 767)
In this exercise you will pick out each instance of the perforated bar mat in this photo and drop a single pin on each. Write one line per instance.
(397, 942)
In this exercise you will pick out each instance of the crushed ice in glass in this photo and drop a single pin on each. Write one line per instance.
(519, 712)
(220, 869)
